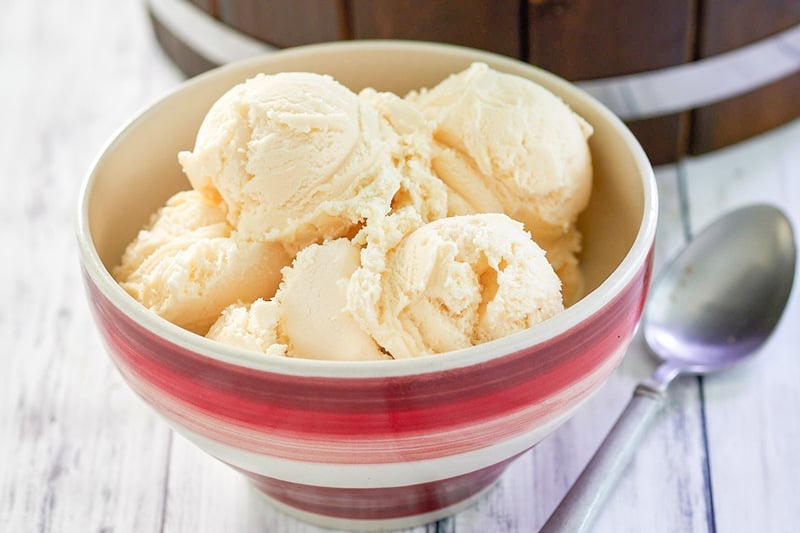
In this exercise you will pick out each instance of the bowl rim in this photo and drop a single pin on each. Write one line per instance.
(589, 305)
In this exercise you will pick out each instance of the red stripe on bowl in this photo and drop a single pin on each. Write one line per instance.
(379, 504)
(494, 400)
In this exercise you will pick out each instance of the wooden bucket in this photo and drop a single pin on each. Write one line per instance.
(687, 76)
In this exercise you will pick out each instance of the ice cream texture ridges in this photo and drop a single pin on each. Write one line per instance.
(505, 144)
(327, 224)
(293, 157)
(189, 264)
(454, 283)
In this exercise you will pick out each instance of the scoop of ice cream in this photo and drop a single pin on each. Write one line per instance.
(292, 156)
(312, 302)
(250, 326)
(307, 316)
(188, 264)
(562, 254)
(506, 144)
(410, 141)
(453, 283)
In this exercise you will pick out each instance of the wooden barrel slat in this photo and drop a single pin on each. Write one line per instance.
(285, 23)
(603, 38)
(727, 25)
(485, 24)
(736, 119)
(663, 138)
(209, 6)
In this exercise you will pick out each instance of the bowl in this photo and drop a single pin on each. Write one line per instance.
(377, 444)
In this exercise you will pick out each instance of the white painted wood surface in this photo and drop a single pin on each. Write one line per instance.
(80, 452)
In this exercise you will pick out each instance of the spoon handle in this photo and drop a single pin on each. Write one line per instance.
(575, 512)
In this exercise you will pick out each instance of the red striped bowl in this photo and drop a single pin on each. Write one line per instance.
(382, 443)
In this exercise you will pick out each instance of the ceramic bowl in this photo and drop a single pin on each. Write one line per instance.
(378, 444)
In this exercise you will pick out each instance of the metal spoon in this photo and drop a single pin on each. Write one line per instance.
(711, 307)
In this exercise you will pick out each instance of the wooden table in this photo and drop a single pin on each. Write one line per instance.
(80, 452)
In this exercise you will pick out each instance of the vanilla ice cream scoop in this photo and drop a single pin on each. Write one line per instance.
(506, 144)
(293, 156)
(453, 283)
(410, 142)
(188, 264)
(312, 302)
(307, 316)
(253, 326)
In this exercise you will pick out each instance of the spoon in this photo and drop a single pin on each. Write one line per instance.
(713, 306)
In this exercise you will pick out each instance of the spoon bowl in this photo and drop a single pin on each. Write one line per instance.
(720, 299)
(712, 307)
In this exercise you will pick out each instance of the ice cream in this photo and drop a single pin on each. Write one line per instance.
(326, 224)
(253, 326)
(453, 283)
(295, 157)
(505, 144)
(449, 284)
(189, 264)
(313, 294)
(409, 138)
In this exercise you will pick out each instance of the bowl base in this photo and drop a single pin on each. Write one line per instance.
(383, 524)
(378, 507)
